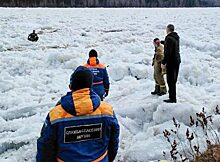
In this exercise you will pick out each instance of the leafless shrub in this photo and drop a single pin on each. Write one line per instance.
(201, 121)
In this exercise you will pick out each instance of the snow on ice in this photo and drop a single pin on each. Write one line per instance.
(33, 76)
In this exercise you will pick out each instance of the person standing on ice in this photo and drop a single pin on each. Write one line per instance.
(101, 80)
(81, 127)
(160, 87)
(33, 37)
(171, 61)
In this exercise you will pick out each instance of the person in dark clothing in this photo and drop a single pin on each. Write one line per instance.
(171, 61)
(33, 37)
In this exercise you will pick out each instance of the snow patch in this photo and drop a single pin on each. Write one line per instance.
(181, 112)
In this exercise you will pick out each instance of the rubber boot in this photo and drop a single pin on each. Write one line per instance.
(156, 91)
(163, 90)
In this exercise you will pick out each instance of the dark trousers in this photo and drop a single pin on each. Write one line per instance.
(172, 75)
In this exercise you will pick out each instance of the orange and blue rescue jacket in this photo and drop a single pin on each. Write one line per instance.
(101, 79)
(79, 129)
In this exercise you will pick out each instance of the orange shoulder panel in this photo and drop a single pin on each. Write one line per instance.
(103, 109)
(58, 112)
(95, 66)
(101, 66)
(106, 109)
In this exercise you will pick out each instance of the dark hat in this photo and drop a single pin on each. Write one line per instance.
(81, 78)
(156, 40)
(93, 53)
(171, 27)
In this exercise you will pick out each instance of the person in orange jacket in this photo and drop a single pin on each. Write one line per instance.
(101, 80)
(81, 127)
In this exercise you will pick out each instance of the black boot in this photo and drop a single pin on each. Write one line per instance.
(170, 101)
(161, 93)
(156, 91)
(163, 90)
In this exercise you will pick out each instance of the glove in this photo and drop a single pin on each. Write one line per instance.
(106, 92)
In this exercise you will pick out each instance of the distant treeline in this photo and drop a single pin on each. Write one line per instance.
(109, 3)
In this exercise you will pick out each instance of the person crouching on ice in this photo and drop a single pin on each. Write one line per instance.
(160, 87)
(101, 79)
(81, 127)
(33, 37)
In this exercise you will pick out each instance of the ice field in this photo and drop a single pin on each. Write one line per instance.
(34, 75)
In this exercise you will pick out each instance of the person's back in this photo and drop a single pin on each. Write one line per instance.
(81, 128)
(171, 46)
(171, 61)
(101, 80)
